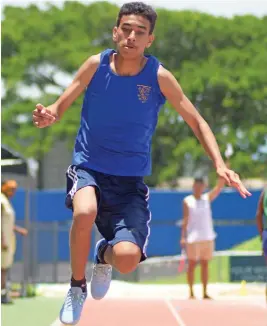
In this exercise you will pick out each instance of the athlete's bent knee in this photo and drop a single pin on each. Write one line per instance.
(127, 256)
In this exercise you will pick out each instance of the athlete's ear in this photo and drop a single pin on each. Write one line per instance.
(151, 39)
(115, 34)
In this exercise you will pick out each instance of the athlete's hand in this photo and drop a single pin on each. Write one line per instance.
(233, 180)
(43, 117)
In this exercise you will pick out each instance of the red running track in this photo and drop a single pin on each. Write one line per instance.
(117, 312)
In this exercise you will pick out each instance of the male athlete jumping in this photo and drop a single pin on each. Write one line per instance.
(124, 91)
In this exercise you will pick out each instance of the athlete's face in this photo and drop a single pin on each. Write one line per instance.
(198, 188)
(132, 36)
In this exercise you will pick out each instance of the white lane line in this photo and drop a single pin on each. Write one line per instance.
(174, 312)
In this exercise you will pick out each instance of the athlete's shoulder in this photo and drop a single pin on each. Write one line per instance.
(89, 68)
(164, 74)
(169, 85)
(166, 78)
(91, 64)
(94, 60)
(105, 55)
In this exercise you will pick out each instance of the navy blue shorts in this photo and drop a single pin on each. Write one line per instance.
(264, 242)
(123, 213)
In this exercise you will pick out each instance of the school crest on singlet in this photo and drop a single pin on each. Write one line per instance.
(143, 92)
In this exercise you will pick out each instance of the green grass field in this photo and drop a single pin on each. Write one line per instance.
(41, 311)
(36, 311)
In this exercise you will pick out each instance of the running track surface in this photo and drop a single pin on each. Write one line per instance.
(128, 312)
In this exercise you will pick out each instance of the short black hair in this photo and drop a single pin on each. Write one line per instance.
(139, 9)
(199, 180)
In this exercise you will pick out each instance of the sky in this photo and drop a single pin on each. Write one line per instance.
(216, 7)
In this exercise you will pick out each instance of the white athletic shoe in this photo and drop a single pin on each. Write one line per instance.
(71, 310)
(101, 275)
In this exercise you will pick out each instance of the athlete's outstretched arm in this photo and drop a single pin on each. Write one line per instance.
(174, 94)
(45, 116)
(79, 83)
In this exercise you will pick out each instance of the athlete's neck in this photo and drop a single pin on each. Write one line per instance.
(127, 67)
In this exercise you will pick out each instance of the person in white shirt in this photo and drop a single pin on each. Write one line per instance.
(8, 238)
(197, 236)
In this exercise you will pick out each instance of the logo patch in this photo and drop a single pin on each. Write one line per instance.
(143, 92)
